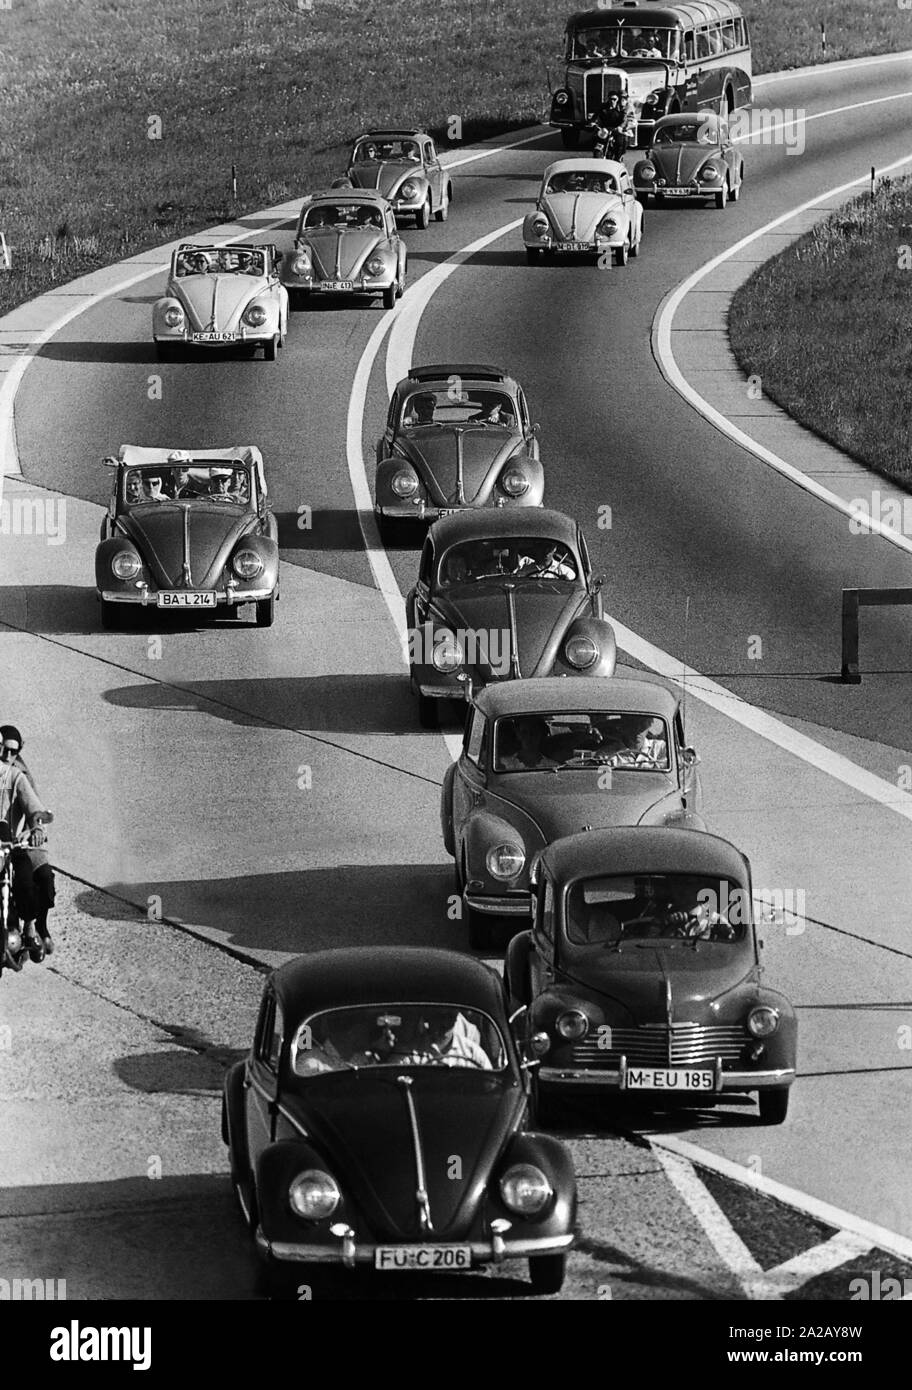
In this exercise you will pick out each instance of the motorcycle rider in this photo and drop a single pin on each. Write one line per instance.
(33, 878)
(616, 116)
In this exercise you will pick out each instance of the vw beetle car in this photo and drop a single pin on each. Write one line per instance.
(642, 973)
(221, 296)
(542, 759)
(691, 156)
(503, 595)
(457, 435)
(404, 167)
(585, 206)
(369, 1070)
(188, 531)
(346, 243)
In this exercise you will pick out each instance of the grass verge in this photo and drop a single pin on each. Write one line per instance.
(277, 88)
(826, 326)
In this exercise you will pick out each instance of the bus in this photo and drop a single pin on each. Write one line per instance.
(690, 57)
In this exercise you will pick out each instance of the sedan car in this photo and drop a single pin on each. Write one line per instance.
(457, 436)
(346, 243)
(691, 156)
(221, 296)
(542, 759)
(585, 206)
(379, 1119)
(642, 973)
(503, 596)
(188, 531)
(404, 167)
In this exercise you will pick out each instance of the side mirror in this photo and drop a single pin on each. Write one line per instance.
(689, 757)
(535, 429)
(109, 461)
(597, 583)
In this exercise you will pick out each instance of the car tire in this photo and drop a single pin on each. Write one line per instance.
(390, 529)
(570, 139)
(166, 352)
(443, 211)
(423, 215)
(534, 255)
(428, 712)
(265, 611)
(721, 198)
(389, 297)
(774, 1105)
(111, 615)
(480, 928)
(635, 245)
(620, 253)
(277, 1281)
(546, 1273)
(270, 348)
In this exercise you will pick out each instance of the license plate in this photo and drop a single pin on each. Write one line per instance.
(668, 1079)
(215, 337)
(575, 246)
(679, 192)
(337, 284)
(448, 511)
(404, 1257)
(185, 599)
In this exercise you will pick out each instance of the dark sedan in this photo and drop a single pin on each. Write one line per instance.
(691, 156)
(642, 973)
(380, 1120)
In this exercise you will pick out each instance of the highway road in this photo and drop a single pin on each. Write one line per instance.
(271, 790)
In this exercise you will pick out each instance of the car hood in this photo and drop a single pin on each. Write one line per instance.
(216, 302)
(386, 178)
(339, 254)
(362, 1125)
(562, 803)
(164, 541)
(575, 216)
(543, 612)
(679, 164)
(438, 454)
(649, 981)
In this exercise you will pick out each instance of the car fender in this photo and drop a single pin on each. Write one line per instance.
(233, 1130)
(276, 1166)
(160, 308)
(446, 810)
(602, 633)
(268, 550)
(534, 471)
(480, 832)
(386, 468)
(546, 1152)
(105, 578)
(516, 969)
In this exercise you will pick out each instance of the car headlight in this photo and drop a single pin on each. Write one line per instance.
(608, 226)
(126, 564)
(314, 1194)
(581, 652)
(572, 1025)
(447, 654)
(710, 174)
(247, 564)
(301, 264)
(174, 317)
(409, 189)
(375, 266)
(561, 98)
(647, 172)
(404, 483)
(514, 482)
(255, 315)
(652, 99)
(763, 1022)
(505, 861)
(525, 1189)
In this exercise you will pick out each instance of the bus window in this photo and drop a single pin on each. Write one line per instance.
(703, 47)
(689, 47)
(729, 36)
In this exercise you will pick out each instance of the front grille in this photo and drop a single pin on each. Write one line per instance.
(684, 1045)
(593, 94)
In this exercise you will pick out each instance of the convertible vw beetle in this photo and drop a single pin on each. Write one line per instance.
(642, 973)
(369, 1071)
(221, 296)
(542, 759)
(503, 596)
(188, 531)
(457, 436)
(346, 243)
(404, 167)
(585, 206)
(690, 157)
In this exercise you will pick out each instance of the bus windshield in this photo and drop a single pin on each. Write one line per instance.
(622, 42)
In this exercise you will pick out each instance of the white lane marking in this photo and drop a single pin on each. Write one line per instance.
(803, 120)
(662, 331)
(840, 1249)
(497, 149)
(719, 1231)
(831, 1215)
(844, 65)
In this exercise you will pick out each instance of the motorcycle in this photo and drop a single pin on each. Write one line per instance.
(13, 950)
(610, 144)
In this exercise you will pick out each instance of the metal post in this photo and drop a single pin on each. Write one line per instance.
(850, 672)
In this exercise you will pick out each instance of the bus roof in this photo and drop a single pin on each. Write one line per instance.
(694, 12)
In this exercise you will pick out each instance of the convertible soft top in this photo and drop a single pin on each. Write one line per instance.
(404, 134)
(585, 166)
(637, 694)
(134, 454)
(442, 371)
(644, 849)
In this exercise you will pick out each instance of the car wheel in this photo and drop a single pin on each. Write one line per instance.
(443, 211)
(774, 1105)
(270, 347)
(635, 245)
(428, 712)
(166, 352)
(620, 254)
(722, 197)
(534, 254)
(480, 928)
(423, 215)
(265, 611)
(390, 529)
(111, 615)
(546, 1273)
(570, 139)
(389, 297)
(277, 1280)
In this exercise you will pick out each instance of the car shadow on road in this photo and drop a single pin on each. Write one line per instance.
(632, 1116)
(196, 1065)
(73, 610)
(497, 258)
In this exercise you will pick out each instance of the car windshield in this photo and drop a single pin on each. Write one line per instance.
(701, 132)
(620, 42)
(580, 741)
(397, 1035)
(340, 215)
(457, 404)
(372, 151)
(186, 482)
(647, 907)
(580, 181)
(226, 260)
(511, 557)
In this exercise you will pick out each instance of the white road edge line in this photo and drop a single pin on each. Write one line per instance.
(824, 1258)
(830, 1215)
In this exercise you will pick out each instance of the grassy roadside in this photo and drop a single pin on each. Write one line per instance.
(276, 87)
(826, 326)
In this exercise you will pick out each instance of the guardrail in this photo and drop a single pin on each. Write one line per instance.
(852, 601)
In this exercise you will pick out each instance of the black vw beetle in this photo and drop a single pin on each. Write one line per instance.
(380, 1120)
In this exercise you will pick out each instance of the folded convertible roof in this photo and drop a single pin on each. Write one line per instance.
(441, 370)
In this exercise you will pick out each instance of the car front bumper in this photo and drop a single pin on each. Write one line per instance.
(359, 284)
(515, 903)
(245, 337)
(577, 248)
(613, 1079)
(350, 1252)
(148, 598)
